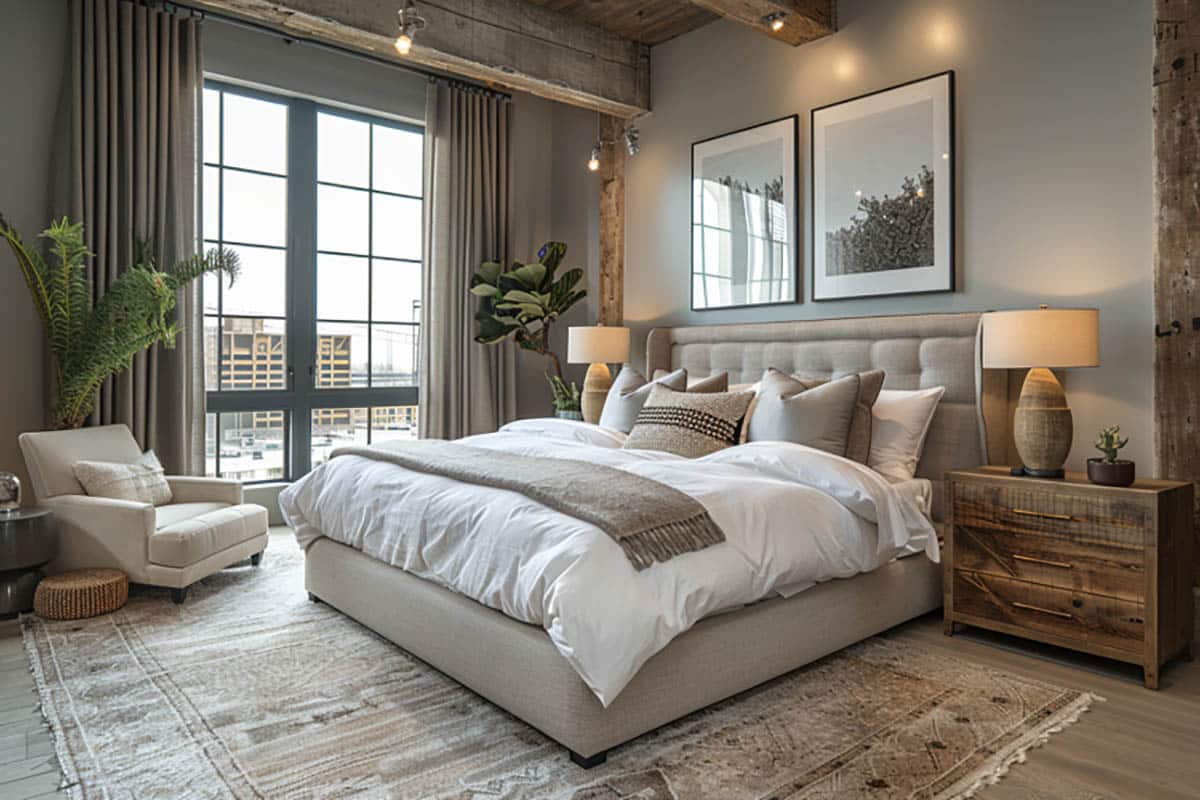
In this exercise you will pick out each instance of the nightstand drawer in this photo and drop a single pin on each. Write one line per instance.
(1089, 517)
(1056, 561)
(1077, 617)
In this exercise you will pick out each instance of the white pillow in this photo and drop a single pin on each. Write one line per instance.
(141, 481)
(899, 422)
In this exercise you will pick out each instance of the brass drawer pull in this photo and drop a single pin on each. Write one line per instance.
(1043, 561)
(1043, 514)
(1050, 611)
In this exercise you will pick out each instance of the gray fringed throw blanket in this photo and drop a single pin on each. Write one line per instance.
(651, 521)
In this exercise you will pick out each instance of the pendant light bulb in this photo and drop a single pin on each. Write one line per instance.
(594, 160)
(409, 22)
(775, 21)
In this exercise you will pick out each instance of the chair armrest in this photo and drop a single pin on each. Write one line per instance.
(187, 489)
(101, 532)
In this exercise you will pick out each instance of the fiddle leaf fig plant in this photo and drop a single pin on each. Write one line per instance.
(90, 341)
(1110, 443)
(523, 302)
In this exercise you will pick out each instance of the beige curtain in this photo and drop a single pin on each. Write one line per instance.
(466, 388)
(132, 102)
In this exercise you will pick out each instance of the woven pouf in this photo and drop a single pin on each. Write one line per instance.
(81, 593)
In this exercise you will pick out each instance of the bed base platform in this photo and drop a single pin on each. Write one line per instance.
(525, 675)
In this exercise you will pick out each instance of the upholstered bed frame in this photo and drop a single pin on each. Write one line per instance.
(515, 666)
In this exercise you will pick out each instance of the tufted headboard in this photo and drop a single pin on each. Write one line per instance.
(916, 351)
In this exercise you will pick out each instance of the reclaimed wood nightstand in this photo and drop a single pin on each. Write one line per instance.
(1104, 570)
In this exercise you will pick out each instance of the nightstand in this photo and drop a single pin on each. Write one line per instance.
(1104, 570)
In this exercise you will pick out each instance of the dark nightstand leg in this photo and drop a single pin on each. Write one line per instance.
(1150, 673)
(588, 762)
(949, 628)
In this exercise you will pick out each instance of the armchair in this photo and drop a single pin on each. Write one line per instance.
(205, 528)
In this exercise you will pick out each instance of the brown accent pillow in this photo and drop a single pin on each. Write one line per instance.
(690, 424)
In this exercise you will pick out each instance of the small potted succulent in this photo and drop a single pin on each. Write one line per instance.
(566, 398)
(1110, 470)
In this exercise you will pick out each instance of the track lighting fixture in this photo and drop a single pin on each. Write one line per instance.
(632, 144)
(409, 22)
(775, 21)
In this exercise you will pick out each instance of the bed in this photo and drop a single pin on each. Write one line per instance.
(517, 666)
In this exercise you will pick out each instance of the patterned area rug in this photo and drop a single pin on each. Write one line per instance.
(250, 691)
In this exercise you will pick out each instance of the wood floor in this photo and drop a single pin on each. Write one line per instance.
(1137, 744)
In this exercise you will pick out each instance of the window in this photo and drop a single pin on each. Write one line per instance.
(315, 344)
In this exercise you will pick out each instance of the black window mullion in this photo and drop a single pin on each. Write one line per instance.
(302, 270)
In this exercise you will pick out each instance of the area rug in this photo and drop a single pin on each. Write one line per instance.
(250, 691)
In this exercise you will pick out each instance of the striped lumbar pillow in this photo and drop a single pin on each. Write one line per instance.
(141, 481)
(689, 424)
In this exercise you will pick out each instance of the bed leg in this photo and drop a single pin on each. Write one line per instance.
(312, 598)
(587, 762)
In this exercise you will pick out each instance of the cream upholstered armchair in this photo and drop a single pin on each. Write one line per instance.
(204, 528)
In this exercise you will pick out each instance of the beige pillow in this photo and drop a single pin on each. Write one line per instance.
(789, 410)
(901, 423)
(630, 390)
(690, 424)
(858, 444)
(141, 481)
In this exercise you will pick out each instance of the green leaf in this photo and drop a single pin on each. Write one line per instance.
(489, 271)
(519, 296)
(484, 290)
(531, 275)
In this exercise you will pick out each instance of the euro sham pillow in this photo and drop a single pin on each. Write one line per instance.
(140, 481)
(900, 422)
(630, 390)
(790, 410)
(689, 424)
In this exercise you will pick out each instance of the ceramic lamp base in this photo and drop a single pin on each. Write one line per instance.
(595, 391)
(1042, 426)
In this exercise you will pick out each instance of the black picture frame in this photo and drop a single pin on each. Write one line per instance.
(797, 294)
(951, 267)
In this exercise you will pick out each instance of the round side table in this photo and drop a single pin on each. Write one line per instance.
(28, 540)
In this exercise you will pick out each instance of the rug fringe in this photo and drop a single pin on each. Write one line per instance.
(70, 776)
(1000, 764)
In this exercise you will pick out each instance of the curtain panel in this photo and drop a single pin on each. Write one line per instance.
(466, 388)
(128, 166)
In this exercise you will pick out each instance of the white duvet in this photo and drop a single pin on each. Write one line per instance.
(792, 516)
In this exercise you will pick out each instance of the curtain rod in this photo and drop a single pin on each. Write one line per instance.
(259, 27)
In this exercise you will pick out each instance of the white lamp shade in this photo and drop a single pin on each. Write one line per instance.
(597, 344)
(1046, 337)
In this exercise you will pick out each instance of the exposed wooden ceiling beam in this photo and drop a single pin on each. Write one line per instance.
(804, 20)
(507, 43)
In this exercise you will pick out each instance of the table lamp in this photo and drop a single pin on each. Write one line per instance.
(598, 345)
(1039, 340)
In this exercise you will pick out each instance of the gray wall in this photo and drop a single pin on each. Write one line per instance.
(555, 197)
(32, 50)
(1054, 166)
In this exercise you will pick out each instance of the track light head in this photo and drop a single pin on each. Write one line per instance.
(775, 21)
(409, 22)
(633, 143)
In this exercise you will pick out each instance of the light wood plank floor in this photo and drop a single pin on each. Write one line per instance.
(1137, 744)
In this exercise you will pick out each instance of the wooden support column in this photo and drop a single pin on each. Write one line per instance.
(612, 221)
(1177, 241)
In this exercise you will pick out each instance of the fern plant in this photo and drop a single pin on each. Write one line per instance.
(91, 341)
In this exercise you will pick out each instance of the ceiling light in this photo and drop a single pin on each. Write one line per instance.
(632, 144)
(775, 21)
(409, 22)
(594, 161)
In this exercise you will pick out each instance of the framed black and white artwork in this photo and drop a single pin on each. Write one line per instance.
(883, 192)
(745, 232)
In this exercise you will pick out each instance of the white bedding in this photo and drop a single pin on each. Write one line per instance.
(792, 516)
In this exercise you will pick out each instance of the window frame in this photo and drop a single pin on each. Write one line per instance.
(300, 395)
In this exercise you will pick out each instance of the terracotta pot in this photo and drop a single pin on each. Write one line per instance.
(1118, 473)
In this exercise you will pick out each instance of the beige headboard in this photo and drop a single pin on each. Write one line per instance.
(916, 351)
